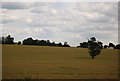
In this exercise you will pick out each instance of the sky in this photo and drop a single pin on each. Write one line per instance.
(73, 22)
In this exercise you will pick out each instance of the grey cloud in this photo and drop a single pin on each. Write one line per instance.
(16, 5)
(41, 7)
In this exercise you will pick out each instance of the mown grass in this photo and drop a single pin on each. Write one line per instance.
(44, 62)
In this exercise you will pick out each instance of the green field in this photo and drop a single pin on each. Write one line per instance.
(42, 62)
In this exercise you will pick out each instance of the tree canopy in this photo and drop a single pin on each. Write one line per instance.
(8, 40)
(30, 41)
(94, 47)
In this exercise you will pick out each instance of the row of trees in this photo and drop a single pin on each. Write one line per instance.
(30, 41)
(110, 45)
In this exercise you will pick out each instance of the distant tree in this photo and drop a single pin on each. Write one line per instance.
(93, 39)
(53, 44)
(94, 47)
(66, 44)
(19, 42)
(3, 40)
(117, 46)
(59, 44)
(101, 44)
(28, 41)
(84, 45)
(111, 45)
(106, 46)
(43, 43)
(36, 42)
(48, 43)
(8, 40)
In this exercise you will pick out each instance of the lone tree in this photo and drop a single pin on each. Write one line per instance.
(94, 47)
(19, 42)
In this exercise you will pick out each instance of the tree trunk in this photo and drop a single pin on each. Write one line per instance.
(92, 57)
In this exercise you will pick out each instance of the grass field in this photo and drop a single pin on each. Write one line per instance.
(43, 62)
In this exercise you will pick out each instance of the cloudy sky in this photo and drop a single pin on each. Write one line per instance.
(73, 22)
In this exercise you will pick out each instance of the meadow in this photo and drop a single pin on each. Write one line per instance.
(44, 62)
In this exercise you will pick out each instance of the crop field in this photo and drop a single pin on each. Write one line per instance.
(43, 62)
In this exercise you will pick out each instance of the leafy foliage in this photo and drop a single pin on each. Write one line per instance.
(94, 47)
(30, 41)
(7, 40)
(19, 42)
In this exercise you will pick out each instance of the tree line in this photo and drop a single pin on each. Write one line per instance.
(29, 41)
(109, 46)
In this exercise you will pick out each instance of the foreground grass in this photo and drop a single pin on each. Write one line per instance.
(42, 62)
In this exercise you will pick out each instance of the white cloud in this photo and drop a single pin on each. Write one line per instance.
(28, 20)
(9, 18)
(54, 12)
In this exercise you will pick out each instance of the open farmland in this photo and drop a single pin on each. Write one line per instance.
(43, 62)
